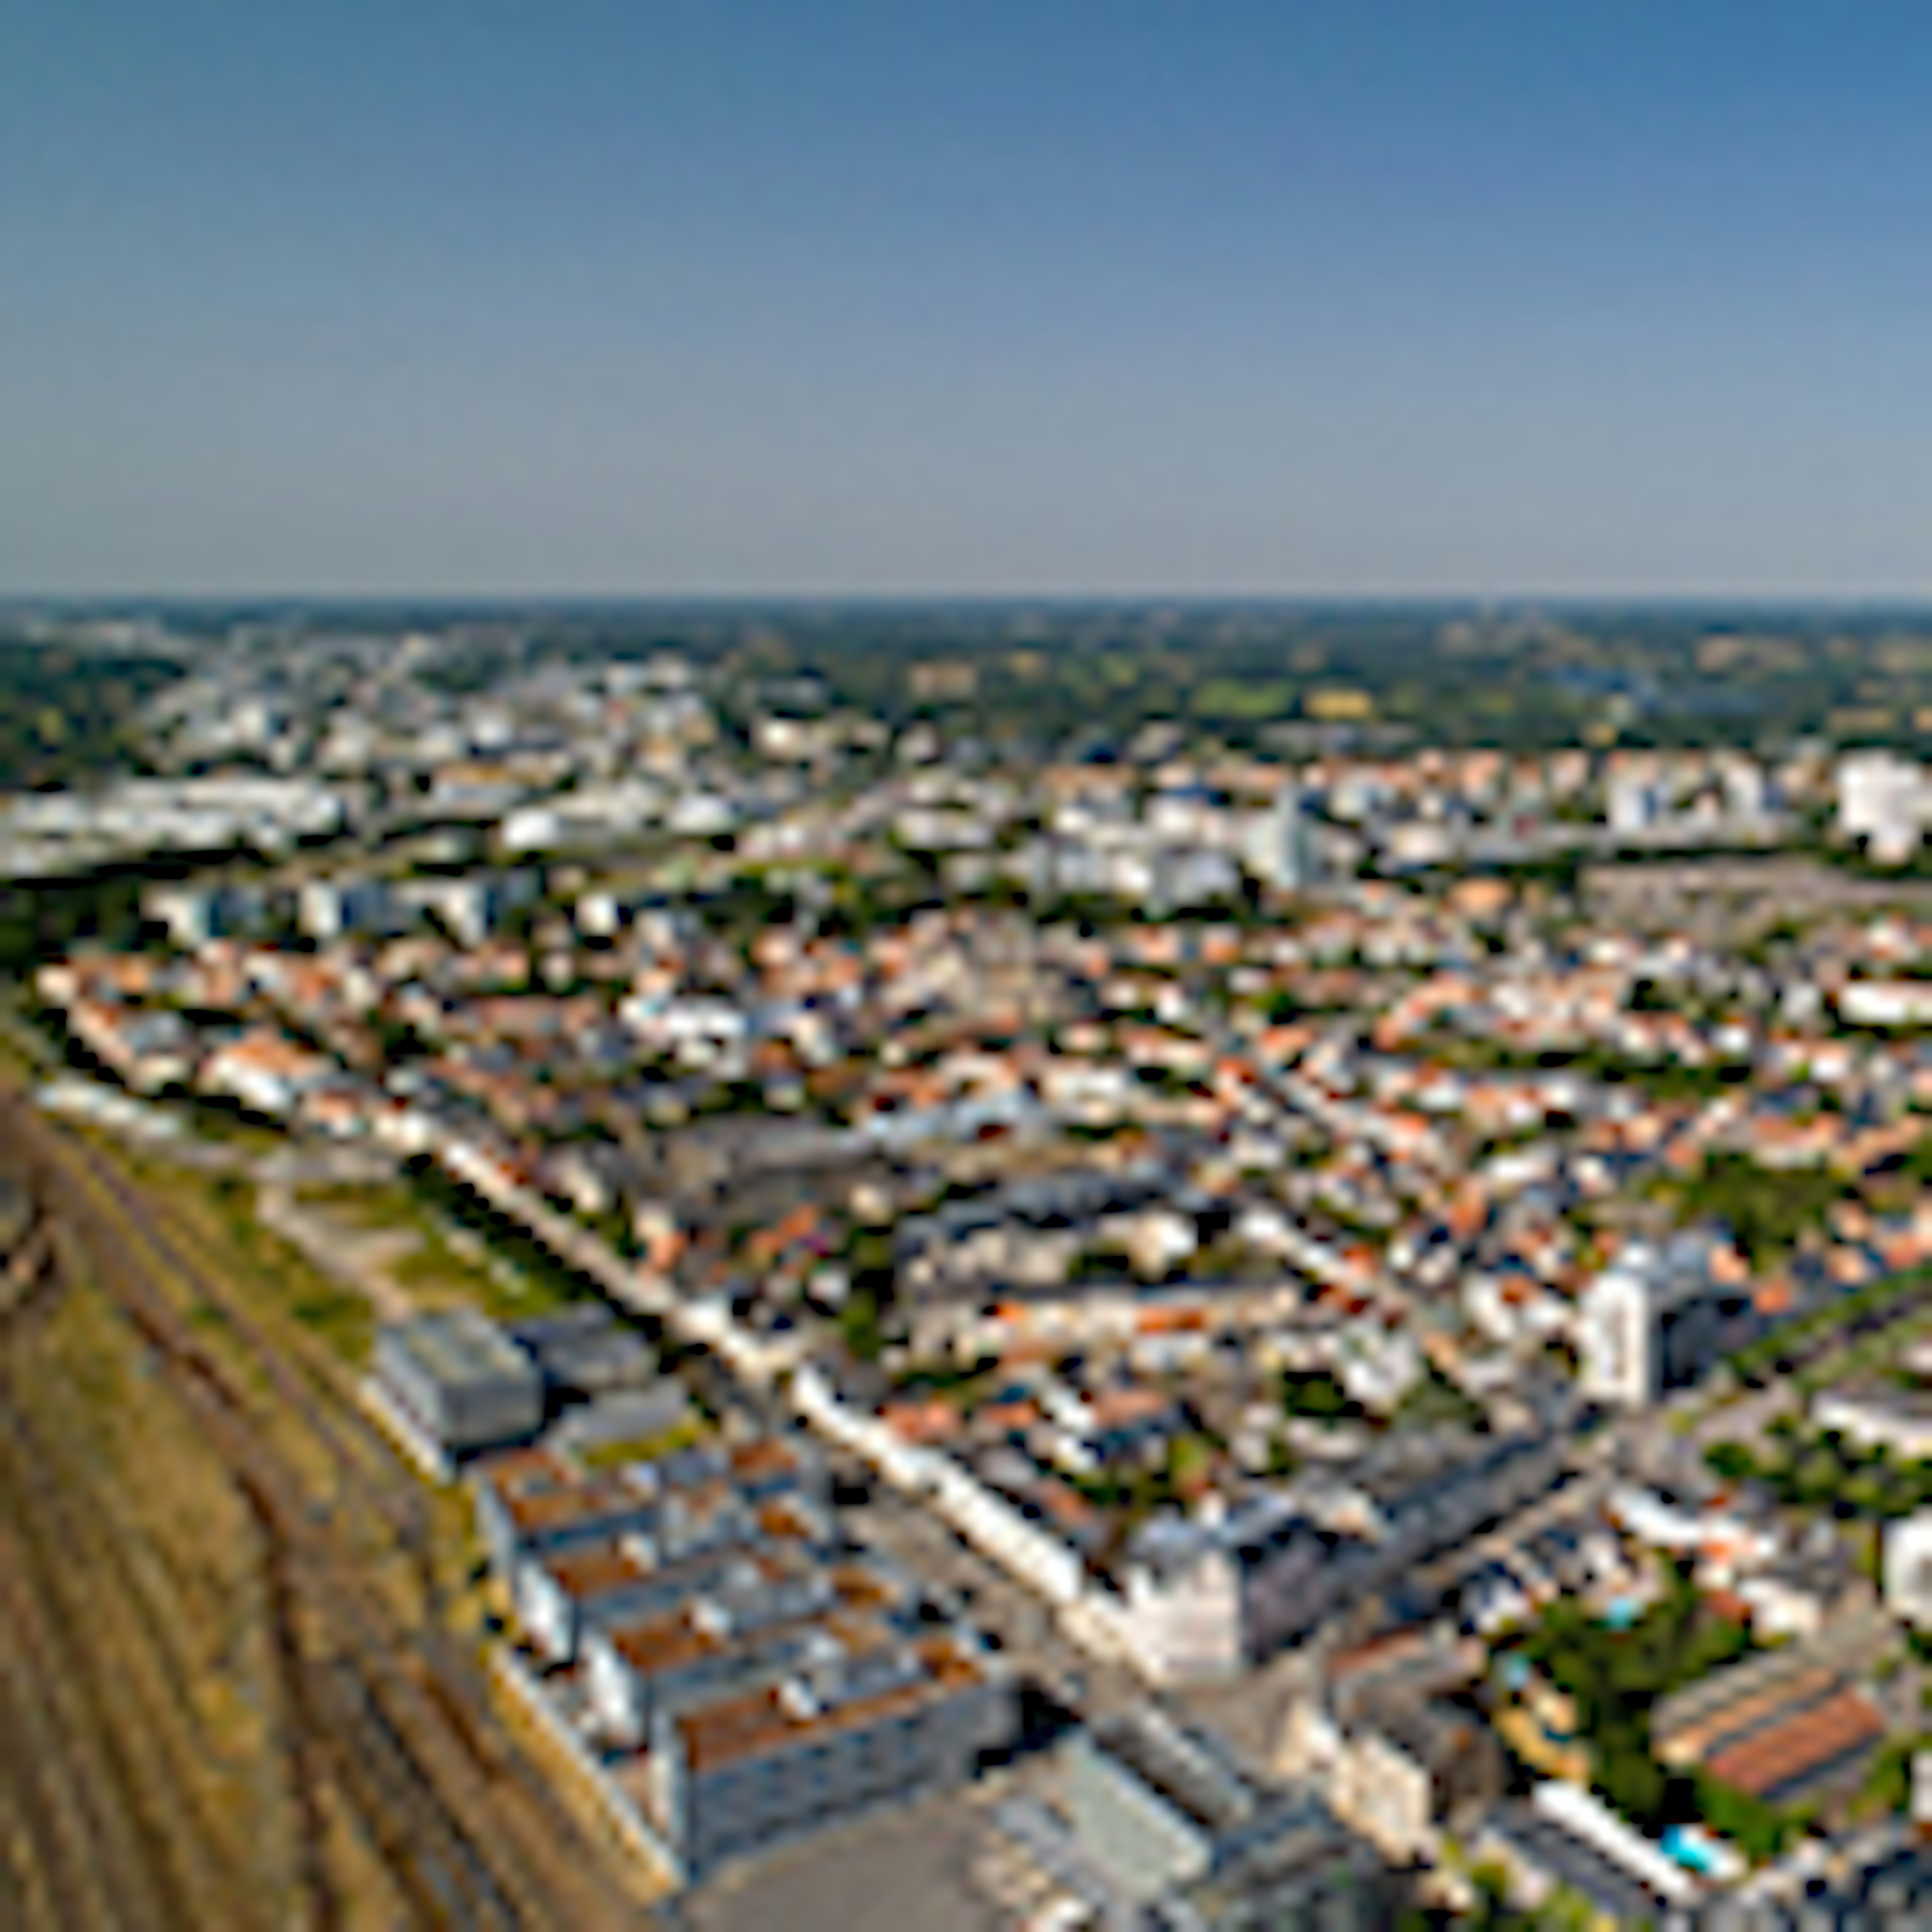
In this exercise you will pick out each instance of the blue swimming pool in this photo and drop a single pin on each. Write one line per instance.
(1694, 1852)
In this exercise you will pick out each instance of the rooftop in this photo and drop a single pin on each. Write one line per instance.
(769, 1719)
(456, 1348)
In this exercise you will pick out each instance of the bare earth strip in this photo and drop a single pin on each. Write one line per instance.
(232, 1697)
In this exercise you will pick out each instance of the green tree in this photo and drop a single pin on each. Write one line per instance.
(1731, 1460)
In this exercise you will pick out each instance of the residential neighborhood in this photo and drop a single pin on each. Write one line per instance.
(1400, 1276)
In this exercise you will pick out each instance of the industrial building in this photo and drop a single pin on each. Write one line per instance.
(1146, 1825)
(1787, 1725)
(460, 1378)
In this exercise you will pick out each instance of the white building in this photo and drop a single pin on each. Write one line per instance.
(1659, 1318)
(1886, 1002)
(1885, 800)
(1634, 802)
(1908, 1568)
(1898, 1420)
(1586, 1817)
(1278, 851)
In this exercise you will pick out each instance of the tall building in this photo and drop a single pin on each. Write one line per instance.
(1279, 851)
(1661, 1319)
(1885, 800)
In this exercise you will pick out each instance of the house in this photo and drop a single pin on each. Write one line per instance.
(264, 1070)
(1881, 1885)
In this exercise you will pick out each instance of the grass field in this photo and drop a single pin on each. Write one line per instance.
(437, 1264)
(137, 1600)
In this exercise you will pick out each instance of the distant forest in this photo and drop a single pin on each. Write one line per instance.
(1291, 676)
(1367, 676)
(65, 712)
(1021, 678)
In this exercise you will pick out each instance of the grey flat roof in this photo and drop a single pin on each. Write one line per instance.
(1571, 1862)
(456, 1346)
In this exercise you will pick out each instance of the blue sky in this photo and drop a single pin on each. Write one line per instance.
(1158, 296)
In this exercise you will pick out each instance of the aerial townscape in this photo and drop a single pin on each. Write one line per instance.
(966, 968)
(1232, 1266)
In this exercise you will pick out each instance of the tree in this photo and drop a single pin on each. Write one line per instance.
(862, 1320)
(1615, 1677)
(1760, 1829)
(1766, 1213)
(1315, 1393)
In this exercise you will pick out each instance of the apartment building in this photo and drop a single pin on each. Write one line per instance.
(1661, 1318)
(1204, 1596)
(739, 1677)
(862, 1720)
(1143, 1825)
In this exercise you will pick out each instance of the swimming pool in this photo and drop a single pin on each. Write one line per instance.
(1693, 1848)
